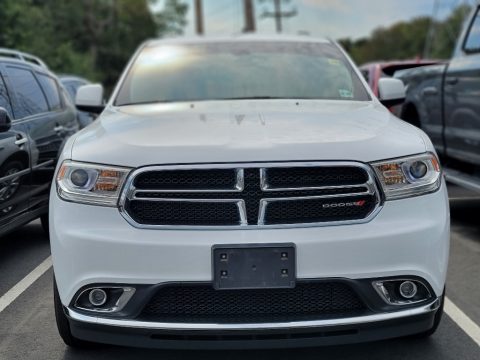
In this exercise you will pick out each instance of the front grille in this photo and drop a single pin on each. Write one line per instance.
(200, 179)
(311, 210)
(315, 176)
(251, 196)
(181, 213)
(201, 303)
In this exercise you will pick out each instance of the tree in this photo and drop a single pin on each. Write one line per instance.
(90, 38)
(406, 40)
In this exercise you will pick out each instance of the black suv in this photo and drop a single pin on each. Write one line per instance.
(36, 118)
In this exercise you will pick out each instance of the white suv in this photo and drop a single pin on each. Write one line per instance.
(247, 192)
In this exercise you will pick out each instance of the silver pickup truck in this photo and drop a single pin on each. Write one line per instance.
(444, 100)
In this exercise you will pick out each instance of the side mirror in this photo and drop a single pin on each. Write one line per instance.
(391, 92)
(5, 122)
(89, 98)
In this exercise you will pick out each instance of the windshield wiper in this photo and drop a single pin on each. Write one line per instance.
(251, 98)
(145, 102)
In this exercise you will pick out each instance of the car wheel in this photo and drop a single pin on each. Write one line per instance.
(63, 325)
(436, 322)
(45, 224)
(9, 188)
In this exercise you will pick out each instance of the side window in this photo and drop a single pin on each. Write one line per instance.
(50, 88)
(366, 75)
(29, 98)
(472, 44)
(70, 86)
(4, 99)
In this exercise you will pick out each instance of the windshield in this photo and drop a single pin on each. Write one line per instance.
(240, 70)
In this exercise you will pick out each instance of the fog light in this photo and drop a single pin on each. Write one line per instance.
(97, 297)
(408, 289)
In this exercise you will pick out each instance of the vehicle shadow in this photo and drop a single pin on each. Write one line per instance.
(449, 342)
(393, 349)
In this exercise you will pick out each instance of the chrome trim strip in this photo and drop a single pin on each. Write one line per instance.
(16, 175)
(44, 164)
(425, 309)
(129, 191)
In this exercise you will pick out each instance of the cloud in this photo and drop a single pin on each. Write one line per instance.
(334, 5)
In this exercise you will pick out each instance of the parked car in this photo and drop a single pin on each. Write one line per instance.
(35, 121)
(443, 100)
(373, 72)
(247, 192)
(72, 83)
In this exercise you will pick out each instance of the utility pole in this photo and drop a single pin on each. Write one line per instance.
(249, 16)
(198, 17)
(431, 30)
(278, 14)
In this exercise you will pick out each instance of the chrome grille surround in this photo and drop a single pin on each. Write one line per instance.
(130, 192)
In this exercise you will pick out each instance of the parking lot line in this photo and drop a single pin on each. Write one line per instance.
(462, 320)
(25, 283)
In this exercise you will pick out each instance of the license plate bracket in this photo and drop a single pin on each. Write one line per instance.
(254, 266)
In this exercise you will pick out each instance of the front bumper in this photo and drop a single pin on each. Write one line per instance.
(96, 245)
(251, 336)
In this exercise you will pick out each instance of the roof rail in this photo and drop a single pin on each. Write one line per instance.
(19, 55)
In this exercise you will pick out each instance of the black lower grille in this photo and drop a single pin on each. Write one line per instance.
(201, 303)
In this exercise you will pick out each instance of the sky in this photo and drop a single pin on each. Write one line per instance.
(331, 18)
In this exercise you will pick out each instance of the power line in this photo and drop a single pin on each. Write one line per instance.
(278, 14)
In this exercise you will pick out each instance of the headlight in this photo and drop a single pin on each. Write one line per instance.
(90, 183)
(409, 176)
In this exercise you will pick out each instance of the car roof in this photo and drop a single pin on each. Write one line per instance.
(68, 77)
(33, 66)
(22, 56)
(236, 38)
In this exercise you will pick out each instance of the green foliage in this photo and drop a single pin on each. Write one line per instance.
(407, 40)
(90, 38)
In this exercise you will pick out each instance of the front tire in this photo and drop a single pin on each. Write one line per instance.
(63, 325)
(45, 224)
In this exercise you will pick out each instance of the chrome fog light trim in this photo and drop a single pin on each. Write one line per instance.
(391, 291)
(116, 299)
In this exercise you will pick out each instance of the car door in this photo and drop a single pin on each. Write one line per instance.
(14, 164)
(43, 138)
(462, 98)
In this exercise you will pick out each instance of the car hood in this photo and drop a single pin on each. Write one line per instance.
(245, 131)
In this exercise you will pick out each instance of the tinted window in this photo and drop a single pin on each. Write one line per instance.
(473, 40)
(50, 88)
(366, 75)
(239, 70)
(72, 90)
(28, 94)
(4, 99)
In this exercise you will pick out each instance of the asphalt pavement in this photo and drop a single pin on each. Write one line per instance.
(28, 331)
